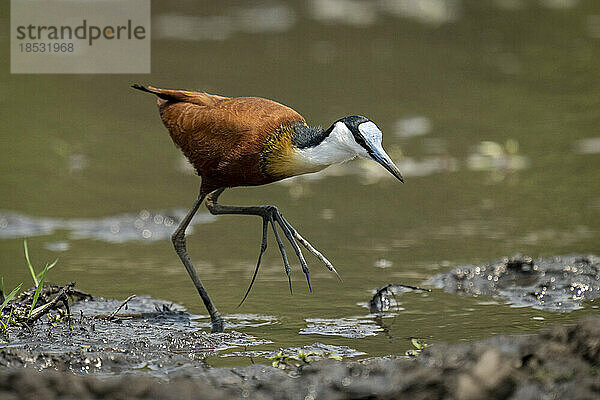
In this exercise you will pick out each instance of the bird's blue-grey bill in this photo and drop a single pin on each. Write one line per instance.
(382, 158)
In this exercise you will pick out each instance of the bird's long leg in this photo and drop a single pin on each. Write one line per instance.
(270, 214)
(178, 238)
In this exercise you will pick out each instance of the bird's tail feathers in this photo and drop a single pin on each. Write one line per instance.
(198, 98)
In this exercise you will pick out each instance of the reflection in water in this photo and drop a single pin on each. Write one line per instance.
(588, 146)
(555, 237)
(383, 263)
(486, 156)
(57, 246)
(413, 126)
(366, 12)
(247, 19)
(559, 4)
(357, 327)
(433, 12)
(143, 226)
(593, 26)
(351, 12)
(280, 17)
(237, 321)
(370, 173)
(497, 158)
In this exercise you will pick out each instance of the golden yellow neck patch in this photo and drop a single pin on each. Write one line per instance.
(276, 156)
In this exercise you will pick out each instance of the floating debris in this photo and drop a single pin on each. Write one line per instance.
(559, 284)
(385, 300)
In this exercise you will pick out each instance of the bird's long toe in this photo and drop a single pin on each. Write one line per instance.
(310, 247)
(286, 263)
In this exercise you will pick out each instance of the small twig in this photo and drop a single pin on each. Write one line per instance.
(114, 313)
(60, 297)
(123, 316)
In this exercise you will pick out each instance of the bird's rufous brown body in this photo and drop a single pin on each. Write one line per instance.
(223, 137)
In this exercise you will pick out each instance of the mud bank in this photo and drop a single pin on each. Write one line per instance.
(560, 362)
(558, 284)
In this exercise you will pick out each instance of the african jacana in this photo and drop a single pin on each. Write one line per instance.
(248, 141)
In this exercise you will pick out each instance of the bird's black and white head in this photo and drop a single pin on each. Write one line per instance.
(359, 135)
(314, 148)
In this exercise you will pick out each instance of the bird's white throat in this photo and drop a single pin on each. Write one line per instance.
(336, 148)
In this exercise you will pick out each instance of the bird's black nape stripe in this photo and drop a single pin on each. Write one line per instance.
(307, 136)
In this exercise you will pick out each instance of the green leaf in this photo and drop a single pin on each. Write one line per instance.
(35, 281)
(10, 316)
(36, 295)
(49, 268)
(10, 296)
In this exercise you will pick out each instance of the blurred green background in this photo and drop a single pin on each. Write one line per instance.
(490, 108)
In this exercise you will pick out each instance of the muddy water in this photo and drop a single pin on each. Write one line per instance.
(489, 108)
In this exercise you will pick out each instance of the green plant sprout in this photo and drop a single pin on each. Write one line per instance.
(283, 361)
(38, 289)
(418, 344)
(21, 312)
(36, 278)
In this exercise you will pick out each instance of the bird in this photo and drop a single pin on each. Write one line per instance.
(251, 141)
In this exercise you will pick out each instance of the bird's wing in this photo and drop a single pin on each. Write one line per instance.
(238, 118)
(224, 140)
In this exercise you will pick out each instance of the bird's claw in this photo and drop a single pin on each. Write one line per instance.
(271, 216)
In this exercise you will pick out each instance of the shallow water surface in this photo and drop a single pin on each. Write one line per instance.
(490, 109)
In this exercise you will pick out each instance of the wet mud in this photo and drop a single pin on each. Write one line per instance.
(146, 336)
(559, 284)
(561, 362)
(148, 348)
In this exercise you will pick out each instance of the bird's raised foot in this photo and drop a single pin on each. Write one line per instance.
(271, 215)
